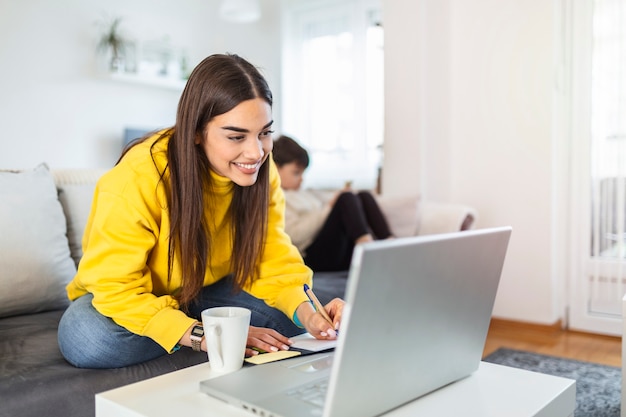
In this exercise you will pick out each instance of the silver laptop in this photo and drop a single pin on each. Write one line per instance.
(416, 319)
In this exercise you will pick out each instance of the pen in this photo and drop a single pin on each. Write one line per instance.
(318, 306)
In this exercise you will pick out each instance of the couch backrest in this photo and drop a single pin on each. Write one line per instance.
(63, 177)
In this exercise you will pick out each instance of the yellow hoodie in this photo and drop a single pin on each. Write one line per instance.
(126, 242)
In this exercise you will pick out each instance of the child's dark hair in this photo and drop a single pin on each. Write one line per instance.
(287, 150)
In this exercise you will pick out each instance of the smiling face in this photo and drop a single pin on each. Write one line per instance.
(239, 141)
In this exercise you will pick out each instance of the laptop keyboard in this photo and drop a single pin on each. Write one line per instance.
(313, 393)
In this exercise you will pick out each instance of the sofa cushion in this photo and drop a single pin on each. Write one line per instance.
(329, 285)
(76, 202)
(35, 380)
(402, 214)
(76, 188)
(35, 265)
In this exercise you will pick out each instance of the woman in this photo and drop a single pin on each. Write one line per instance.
(325, 232)
(191, 218)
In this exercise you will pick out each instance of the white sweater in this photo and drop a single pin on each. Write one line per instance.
(305, 214)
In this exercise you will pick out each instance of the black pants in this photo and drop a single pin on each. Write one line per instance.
(352, 216)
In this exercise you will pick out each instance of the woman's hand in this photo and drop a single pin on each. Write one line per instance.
(316, 324)
(268, 340)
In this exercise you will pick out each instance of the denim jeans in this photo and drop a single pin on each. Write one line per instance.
(87, 339)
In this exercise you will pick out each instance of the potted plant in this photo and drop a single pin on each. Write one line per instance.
(113, 41)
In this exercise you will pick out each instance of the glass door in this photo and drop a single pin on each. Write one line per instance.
(599, 165)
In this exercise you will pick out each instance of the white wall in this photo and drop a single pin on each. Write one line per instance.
(404, 116)
(56, 107)
(469, 119)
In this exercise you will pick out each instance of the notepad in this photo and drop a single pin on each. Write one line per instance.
(268, 357)
(307, 342)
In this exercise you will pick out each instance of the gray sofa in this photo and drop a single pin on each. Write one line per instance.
(42, 217)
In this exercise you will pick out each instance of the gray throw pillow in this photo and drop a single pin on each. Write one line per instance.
(76, 202)
(35, 262)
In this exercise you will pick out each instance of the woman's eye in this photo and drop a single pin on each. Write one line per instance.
(267, 133)
(236, 138)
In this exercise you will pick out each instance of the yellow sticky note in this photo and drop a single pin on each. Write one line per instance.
(271, 356)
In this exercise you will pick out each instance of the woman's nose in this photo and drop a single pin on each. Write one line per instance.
(254, 149)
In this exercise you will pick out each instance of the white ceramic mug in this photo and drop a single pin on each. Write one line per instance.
(226, 333)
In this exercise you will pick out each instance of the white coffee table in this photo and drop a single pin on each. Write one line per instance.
(493, 390)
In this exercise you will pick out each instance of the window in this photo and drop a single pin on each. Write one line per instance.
(598, 165)
(333, 90)
(608, 128)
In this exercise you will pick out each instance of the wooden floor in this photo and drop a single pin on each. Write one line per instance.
(552, 340)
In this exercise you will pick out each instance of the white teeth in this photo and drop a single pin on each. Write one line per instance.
(246, 166)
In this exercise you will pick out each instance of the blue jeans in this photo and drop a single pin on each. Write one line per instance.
(87, 339)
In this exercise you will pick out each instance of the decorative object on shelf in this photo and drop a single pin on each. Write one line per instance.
(159, 58)
(154, 62)
(240, 11)
(112, 41)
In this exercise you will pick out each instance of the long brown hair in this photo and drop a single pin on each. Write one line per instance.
(215, 86)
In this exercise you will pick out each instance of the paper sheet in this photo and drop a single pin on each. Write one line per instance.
(306, 341)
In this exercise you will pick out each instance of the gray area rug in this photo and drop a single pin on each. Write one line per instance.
(598, 387)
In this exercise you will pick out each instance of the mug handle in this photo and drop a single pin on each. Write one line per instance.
(213, 343)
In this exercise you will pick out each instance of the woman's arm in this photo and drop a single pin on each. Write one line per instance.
(125, 258)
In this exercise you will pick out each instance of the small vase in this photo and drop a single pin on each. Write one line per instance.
(116, 64)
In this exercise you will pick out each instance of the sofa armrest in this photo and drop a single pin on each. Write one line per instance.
(445, 217)
(402, 214)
